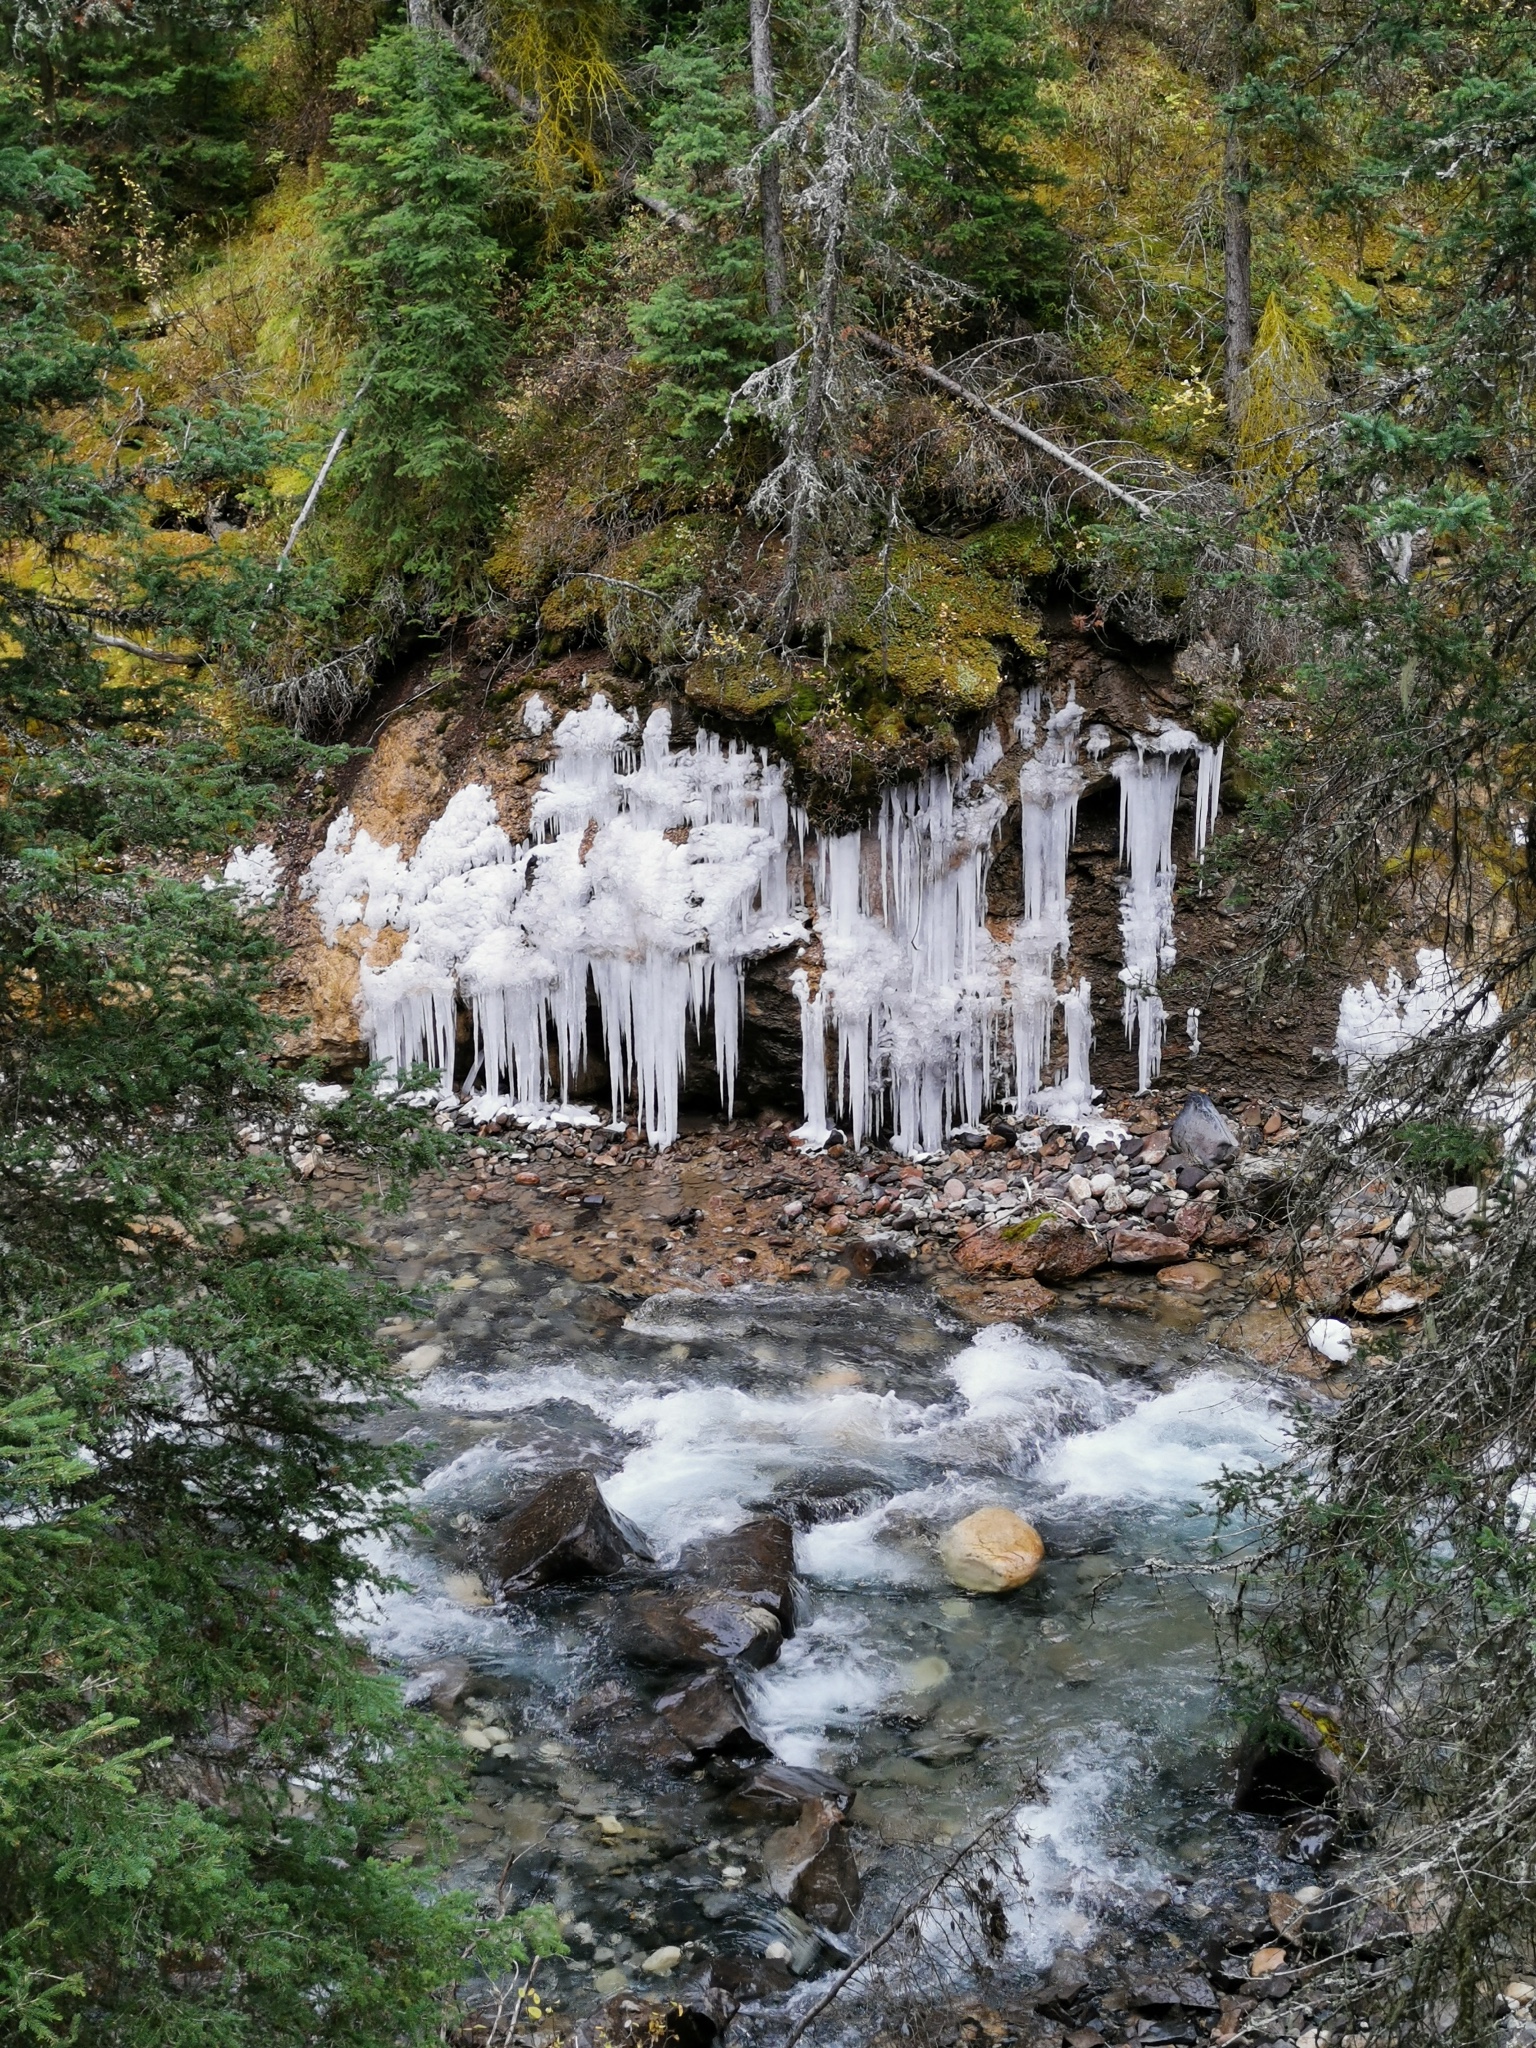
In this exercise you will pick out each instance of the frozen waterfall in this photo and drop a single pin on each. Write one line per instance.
(654, 874)
(1150, 780)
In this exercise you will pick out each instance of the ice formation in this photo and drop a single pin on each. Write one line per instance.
(1150, 779)
(1050, 783)
(255, 873)
(653, 876)
(912, 979)
(1376, 1022)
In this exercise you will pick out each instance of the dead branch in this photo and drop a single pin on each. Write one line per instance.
(1008, 423)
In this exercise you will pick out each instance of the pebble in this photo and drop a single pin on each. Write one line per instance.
(610, 1824)
(661, 1962)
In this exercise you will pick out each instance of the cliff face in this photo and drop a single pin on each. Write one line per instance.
(463, 721)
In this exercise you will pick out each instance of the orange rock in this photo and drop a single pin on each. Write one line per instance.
(1195, 1276)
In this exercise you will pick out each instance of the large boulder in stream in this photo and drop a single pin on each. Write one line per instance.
(710, 1717)
(992, 1551)
(810, 1867)
(567, 1531)
(697, 1630)
(776, 1792)
(757, 1561)
(1200, 1131)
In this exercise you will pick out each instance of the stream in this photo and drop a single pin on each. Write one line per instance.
(873, 1420)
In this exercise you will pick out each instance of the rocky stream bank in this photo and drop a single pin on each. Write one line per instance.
(626, 1716)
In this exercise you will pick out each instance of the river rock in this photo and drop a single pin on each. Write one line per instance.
(756, 1561)
(810, 1867)
(992, 1551)
(439, 1687)
(835, 1496)
(711, 1718)
(776, 1792)
(752, 1978)
(696, 1631)
(1051, 1251)
(1135, 1245)
(567, 1531)
(883, 1256)
(1194, 1276)
(1200, 1131)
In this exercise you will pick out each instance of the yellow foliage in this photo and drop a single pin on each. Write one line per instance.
(560, 57)
(1283, 385)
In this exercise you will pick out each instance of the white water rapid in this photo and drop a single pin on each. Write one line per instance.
(872, 1427)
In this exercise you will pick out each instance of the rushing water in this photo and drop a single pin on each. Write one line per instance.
(876, 1422)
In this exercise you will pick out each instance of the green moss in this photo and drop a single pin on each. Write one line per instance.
(1216, 720)
(672, 556)
(922, 632)
(1014, 551)
(739, 678)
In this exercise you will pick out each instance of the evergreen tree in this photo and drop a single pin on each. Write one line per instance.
(973, 180)
(199, 1778)
(416, 191)
(706, 329)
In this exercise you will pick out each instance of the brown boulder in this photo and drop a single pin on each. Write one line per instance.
(1136, 1245)
(811, 1868)
(567, 1531)
(710, 1717)
(992, 1551)
(1051, 1251)
(697, 1631)
(756, 1561)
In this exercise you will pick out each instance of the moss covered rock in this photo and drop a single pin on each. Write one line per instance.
(922, 633)
(739, 677)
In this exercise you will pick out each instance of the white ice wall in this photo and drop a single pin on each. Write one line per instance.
(656, 873)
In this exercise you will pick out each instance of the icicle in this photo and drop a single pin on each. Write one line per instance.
(813, 1060)
(1097, 742)
(1192, 1028)
(1027, 720)
(1149, 794)
(1208, 794)
(911, 982)
(1072, 1097)
(1049, 787)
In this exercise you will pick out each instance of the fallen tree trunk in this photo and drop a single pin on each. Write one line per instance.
(1009, 424)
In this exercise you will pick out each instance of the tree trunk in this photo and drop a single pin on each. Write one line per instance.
(842, 152)
(1237, 178)
(770, 201)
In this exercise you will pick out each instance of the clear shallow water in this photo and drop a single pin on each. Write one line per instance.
(1094, 1682)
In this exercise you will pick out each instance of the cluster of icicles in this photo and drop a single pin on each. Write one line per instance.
(655, 874)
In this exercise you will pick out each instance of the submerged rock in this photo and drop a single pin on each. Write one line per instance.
(1200, 1131)
(992, 1551)
(567, 1531)
(810, 1867)
(711, 1718)
(439, 1687)
(697, 1631)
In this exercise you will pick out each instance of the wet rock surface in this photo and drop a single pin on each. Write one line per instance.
(567, 1531)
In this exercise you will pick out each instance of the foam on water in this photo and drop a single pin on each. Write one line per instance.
(829, 1680)
(1168, 1448)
